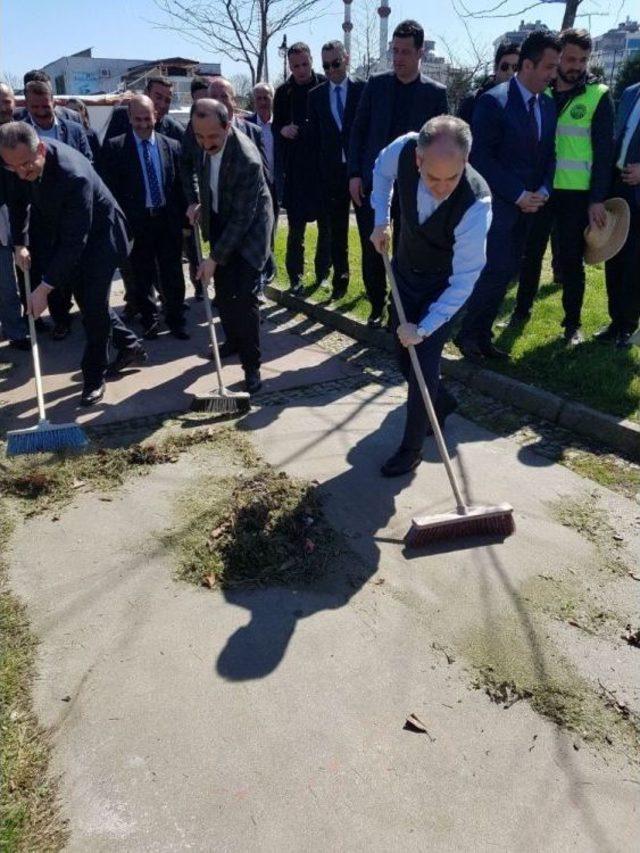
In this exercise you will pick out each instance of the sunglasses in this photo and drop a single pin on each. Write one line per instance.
(335, 64)
(508, 66)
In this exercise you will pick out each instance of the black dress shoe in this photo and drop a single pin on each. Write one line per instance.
(197, 291)
(401, 463)
(573, 337)
(92, 395)
(493, 352)
(339, 289)
(606, 335)
(41, 325)
(322, 277)
(60, 331)
(130, 357)
(296, 289)
(21, 344)
(375, 320)
(151, 331)
(129, 312)
(471, 351)
(180, 333)
(252, 381)
(516, 321)
(623, 340)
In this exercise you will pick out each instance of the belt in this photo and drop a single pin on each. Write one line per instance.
(155, 211)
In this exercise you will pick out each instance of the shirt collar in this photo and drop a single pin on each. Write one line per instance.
(526, 94)
(342, 85)
(152, 139)
(262, 123)
(32, 121)
(218, 154)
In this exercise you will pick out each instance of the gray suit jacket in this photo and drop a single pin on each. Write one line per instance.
(244, 203)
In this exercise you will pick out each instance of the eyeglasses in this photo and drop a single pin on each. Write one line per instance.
(508, 66)
(335, 64)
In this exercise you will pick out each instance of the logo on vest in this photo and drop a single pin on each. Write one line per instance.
(578, 111)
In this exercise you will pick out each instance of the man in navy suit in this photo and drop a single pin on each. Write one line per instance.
(142, 169)
(514, 128)
(392, 104)
(42, 77)
(621, 272)
(332, 107)
(84, 237)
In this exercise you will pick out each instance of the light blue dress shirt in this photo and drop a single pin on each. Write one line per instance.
(156, 161)
(470, 246)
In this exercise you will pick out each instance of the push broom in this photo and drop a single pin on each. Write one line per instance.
(44, 437)
(466, 520)
(221, 401)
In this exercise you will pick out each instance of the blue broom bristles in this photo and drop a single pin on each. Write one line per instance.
(46, 438)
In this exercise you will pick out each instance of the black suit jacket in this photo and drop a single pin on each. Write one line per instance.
(372, 123)
(326, 138)
(71, 212)
(71, 133)
(121, 170)
(119, 124)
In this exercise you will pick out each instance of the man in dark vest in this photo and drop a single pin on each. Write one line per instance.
(445, 208)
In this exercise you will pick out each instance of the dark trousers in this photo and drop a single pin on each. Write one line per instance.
(566, 213)
(373, 275)
(622, 272)
(295, 249)
(91, 289)
(505, 246)
(237, 285)
(157, 256)
(338, 204)
(429, 353)
(59, 301)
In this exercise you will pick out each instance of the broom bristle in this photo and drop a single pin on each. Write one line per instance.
(222, 404)
(478, 521)
(46, 438)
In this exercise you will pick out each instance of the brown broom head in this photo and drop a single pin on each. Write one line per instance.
(494, 521)
(224, 405)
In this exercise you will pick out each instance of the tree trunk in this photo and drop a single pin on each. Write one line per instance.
(570, 10)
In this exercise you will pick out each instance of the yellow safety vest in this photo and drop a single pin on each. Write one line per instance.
(574, 152)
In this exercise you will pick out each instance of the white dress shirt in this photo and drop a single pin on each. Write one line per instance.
(214, 173)
(267, 140)
(470, 245)
(630, 129)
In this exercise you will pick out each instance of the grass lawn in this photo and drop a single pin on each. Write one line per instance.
(595, 374)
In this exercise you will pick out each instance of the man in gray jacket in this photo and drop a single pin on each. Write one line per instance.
(236, 216)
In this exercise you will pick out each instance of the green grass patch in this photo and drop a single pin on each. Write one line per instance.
(592, 373)
(517, 661)
(252, 530)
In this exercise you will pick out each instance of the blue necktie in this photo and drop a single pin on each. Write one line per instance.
(154, 186)
(339, 104)
(534, 133)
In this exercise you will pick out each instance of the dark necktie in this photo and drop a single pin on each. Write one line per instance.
(152, 178)
(534, 136)
(339, 104)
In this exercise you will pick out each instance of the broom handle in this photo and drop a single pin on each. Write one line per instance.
(207, 309)
(442, 447)
(35, 354)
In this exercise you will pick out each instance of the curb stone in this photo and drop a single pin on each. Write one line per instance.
(621, 435)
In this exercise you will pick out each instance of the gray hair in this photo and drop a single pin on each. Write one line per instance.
(15, 133)
(263, 86)
(446, 128)
(38, 87)
(209, 107)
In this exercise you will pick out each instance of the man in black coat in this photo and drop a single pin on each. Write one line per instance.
(295, 171)
(84, 238)
(332, 107)
(142, 169)
(505, 65)
(392, 104)
(160, 90)
(263, 117)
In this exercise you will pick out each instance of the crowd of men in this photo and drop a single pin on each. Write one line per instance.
(467, 204)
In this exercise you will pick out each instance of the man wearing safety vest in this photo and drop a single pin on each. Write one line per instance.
(584, 156)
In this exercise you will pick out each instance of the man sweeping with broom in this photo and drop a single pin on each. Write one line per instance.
(445, 208)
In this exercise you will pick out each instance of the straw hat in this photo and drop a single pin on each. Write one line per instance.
(601, 244)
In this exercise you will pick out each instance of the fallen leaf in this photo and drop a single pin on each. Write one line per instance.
(379, 582)
(66, 699)
(415, 724)
(77, 484)
(634, 576)
(209, 581)
(105, 498)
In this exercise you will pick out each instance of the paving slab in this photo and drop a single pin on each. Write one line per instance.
(176, 371)
(272, 720)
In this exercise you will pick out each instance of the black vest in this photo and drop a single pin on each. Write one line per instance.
(426, 251)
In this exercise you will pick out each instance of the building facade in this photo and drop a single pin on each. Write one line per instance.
(611, 49)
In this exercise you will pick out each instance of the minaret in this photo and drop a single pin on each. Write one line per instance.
(384, 10)
(347, 26)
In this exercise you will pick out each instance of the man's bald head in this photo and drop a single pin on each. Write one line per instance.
(142, 115)
(222, 90)
(442, 152)
(211, 124)
(7, 103)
